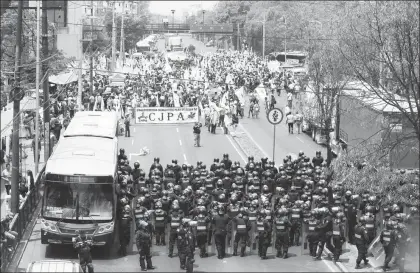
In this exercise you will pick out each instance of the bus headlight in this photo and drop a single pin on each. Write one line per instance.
(49, 226)
(105, 228)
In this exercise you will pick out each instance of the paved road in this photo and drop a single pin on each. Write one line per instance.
(261, 132)
(176, 142)
(170, 142)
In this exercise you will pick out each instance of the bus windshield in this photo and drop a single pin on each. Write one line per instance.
(78, 202)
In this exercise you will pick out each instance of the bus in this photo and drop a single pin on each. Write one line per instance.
(80, 180)
(93, 123)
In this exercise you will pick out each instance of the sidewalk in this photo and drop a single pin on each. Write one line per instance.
(348, 258)
(26, 164)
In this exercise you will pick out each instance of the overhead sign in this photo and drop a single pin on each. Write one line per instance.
(166, 115)
(275, 116)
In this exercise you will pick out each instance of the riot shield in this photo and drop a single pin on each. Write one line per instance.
(229, 243)
(253, 239)
(346, 233)
(131, 245)
(213, 244)
(304, 247)
(273, 242)
(167, 237)
(375, 249)
(168, 243)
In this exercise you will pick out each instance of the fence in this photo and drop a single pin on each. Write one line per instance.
(21, 220)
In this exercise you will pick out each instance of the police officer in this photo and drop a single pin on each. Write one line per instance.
(175, 219)
(220, 222)
(264, 230)
(325, 231)
(361, 240)
(403, 239)
(388, 239)
(296, 219)
(313, 233)
(202, 223)
(185, 244)
(144, 243)
(83, 244)
(283, 226)
(338, 237)
(243, 227)
(161, 218)
(125, 230)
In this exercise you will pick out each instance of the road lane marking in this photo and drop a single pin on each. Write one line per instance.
(180, 142)
(185, 158)
(132, 141)
(236, 148)
(330, 267)
(300, 139)
(177, 130)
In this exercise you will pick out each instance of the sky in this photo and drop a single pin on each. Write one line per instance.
(180, 7)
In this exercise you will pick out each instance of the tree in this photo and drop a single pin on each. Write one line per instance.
(57, 61)
(231, 11)
(328, 74)
(133, 28)
(374, 176)
(381, 45)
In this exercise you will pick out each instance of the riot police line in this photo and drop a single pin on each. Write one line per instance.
(257, 209)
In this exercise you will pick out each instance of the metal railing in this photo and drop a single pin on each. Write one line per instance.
(21, 220)
(169, 27)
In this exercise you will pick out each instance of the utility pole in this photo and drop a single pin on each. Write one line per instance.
(38, 70)
(122, 53)
(263, 49)
(238, 38)
(45, 84)
(114, 38)
(285, 41)
(80, 70)
(17, 95)
(91, 50)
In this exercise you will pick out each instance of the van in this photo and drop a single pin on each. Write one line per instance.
(54, 266)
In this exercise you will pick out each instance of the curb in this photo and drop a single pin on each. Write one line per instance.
(338, 265)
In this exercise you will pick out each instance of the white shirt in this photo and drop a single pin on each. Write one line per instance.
(289, 96)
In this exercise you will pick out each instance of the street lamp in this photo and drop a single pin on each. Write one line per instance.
(203, 16)
(173, 18)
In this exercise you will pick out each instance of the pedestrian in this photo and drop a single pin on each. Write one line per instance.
(127, 125)
(290, 119)
(197, 132)
(289, 99)
(298, 121)
(6, 176)
(53, 141)
(39, 148)
(30, 179)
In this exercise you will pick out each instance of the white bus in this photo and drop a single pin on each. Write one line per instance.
(93, 123)
(80, 179)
